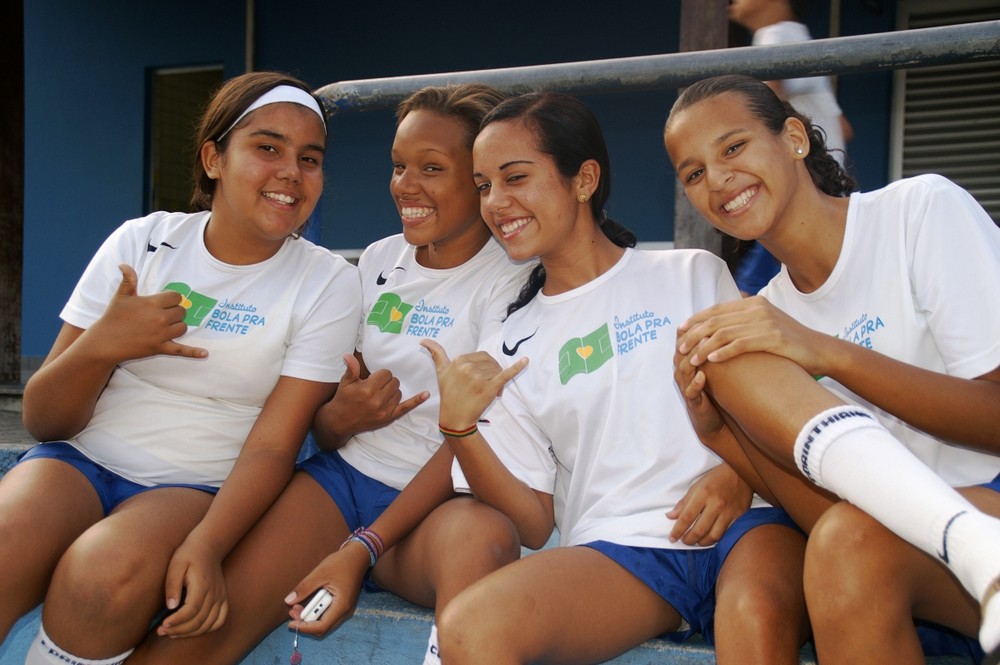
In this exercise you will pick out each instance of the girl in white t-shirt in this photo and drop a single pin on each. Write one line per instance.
(871, 362)
(376, 506)
(193, 355)
(591, 432)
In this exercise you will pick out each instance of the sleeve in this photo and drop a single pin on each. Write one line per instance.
(955, 273)
(101, 278)
(519, 445)
(514, 436)
(329, 329)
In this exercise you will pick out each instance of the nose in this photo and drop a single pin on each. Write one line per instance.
(402, 183)
(718, 177)
(493, 199)
(290, 169)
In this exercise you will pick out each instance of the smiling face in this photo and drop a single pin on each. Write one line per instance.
(528, 204)
(738, 175)
(268, 181)
(432, 186)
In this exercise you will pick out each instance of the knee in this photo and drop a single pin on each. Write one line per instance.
(97, 578)
(758, 609)
(847, 561)
(482, 537)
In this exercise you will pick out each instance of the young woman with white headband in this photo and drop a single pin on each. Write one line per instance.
(194, 352)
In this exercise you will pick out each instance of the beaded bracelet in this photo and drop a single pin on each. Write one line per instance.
(371, 542)
(458, 433)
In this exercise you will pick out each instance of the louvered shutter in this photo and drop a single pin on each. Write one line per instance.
(948, 118)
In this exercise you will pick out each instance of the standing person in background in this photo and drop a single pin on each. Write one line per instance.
(778, 22)
(194, 353)
(655, 537)
(870, 366)
(354, 514)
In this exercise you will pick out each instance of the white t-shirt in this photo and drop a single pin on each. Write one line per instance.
(167, 419)
(596, 418)
(918, 280)
(812, 95)
(404, 303)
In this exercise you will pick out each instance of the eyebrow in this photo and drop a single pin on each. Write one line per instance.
(721, 139)
(505, 166)
(278, 136)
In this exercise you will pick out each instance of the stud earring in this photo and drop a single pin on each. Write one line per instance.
(582, 198)
(799, 150)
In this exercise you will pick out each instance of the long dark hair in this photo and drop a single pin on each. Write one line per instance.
(568, 132)
(826, 172)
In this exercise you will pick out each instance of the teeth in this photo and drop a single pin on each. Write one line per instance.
(509, 227)
(416, 212)
(280, 198)
(740, 200)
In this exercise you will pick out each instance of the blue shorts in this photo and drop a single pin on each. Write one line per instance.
(359, 498)
(686, 578)
(112, 489)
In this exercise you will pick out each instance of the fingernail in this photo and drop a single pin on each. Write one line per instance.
(171, 603)
(290, 598)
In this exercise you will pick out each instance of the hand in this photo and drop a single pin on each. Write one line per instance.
(135, 326)
(194, 576)
(341, 574)
(709, 507)
(468, 384)
(363, 404)
(729, 329)
(691, 381)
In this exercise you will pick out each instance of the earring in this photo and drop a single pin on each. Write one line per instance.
(799, 150)
(582, 198)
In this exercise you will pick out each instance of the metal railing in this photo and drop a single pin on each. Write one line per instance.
(839, 55)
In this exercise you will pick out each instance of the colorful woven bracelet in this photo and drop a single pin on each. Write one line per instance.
(458, 433)
(370, 541)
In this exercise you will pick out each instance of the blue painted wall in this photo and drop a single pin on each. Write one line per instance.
(85, 110)
(86, 69)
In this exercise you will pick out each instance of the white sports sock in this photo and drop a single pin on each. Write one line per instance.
(847, 451)
(433, 655)
(43, 651)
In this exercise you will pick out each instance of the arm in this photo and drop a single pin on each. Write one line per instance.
(262, 470)
(469, 384)
(343, 571)
(60, 397)
(363, 402)
(961, 410)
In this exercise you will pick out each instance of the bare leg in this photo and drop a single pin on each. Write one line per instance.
(108, 585)
(38, 525)
(300, 530)
(459, 543)
(760, 614)
(563, 605)
(865, 585)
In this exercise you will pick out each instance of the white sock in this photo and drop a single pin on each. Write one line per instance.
(43, 651)
(878, 474)
(433, 655)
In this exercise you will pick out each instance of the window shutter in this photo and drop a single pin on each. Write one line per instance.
(950, 121)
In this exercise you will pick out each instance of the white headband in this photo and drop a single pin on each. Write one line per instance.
(281, 93)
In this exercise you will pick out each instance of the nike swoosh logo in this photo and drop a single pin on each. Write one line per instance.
(381, 279)
(150, 248)
(943, 553)
(511, 351)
